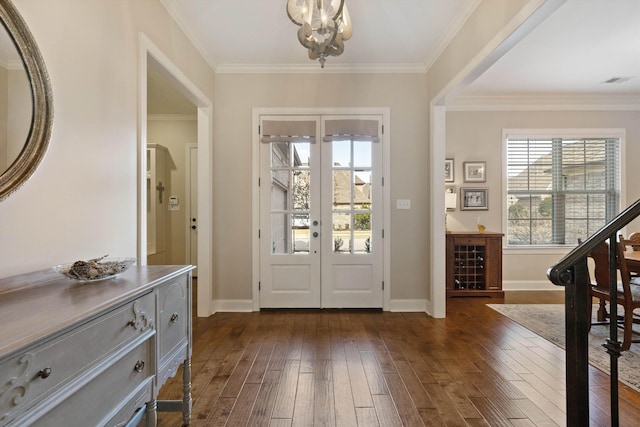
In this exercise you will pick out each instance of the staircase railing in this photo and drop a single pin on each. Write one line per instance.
(571, 272)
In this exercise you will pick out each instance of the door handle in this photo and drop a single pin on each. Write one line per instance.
(315, 234)
(193, 227)
(315, 223)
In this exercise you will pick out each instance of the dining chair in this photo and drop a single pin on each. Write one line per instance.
(628, 296)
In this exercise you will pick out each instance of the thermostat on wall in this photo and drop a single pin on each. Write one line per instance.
(174, 204)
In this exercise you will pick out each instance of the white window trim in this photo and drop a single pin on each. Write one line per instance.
(620, 133)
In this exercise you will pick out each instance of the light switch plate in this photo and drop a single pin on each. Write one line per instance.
(403, 204)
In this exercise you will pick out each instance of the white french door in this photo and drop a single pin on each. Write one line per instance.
(321, 212)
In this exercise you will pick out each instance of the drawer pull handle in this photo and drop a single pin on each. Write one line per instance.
(44, 373)
(139, 367)
(174, 318)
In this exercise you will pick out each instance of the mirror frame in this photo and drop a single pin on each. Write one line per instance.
(42, 118)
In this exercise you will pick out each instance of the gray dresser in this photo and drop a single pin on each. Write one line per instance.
(93, 353)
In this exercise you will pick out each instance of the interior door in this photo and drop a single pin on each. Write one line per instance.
(320, 213)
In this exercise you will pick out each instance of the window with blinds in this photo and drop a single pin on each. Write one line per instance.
(560, 190)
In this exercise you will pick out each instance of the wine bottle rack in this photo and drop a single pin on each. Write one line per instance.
(474, 264)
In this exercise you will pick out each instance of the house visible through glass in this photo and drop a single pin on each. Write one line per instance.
(560, 190)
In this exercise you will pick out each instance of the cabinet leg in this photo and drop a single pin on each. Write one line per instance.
(186, 392)
(152, 413)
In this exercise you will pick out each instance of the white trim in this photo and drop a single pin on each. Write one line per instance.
(172, 117)
(185, 26)
(545, 103)
(187, 202)
(314, 68)
(437, 301)
(525, 21)
(530, 285)
(385, 112)
(620, 133)
(149, 51)
(456, 25)
(233, 305)
(408, 305)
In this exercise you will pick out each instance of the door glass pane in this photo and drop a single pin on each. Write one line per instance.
(290, 191)
(300, 190)
(341, 189)
(362, 232)
(341, 153)
(279, 233)
(279, 154)
(352, 197)
(300, 231)
(301, 154)
(362, 154)
(279, 190)
(342, 233)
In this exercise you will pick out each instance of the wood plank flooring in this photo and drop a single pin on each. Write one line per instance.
(372, 368)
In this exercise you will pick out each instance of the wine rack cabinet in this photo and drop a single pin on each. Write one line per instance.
(474, 264)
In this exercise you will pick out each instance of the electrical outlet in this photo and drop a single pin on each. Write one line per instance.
(403, 204)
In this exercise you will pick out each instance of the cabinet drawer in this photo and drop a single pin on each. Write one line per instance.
(42, 371)
(470, 241)
(173, 315)
(93, 404)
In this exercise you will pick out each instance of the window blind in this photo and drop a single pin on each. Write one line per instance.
(288, 131)
(352, 129)
(560, 190)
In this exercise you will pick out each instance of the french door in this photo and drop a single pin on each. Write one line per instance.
(321, 212)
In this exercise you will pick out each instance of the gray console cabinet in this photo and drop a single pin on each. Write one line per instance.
(93, 353)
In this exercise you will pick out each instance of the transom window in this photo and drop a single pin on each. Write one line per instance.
(560, 189)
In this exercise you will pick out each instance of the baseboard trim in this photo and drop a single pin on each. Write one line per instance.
(233, 305)
(530, 285)
(408, 305)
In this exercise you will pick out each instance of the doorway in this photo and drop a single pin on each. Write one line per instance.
(152, 56)
(321, 211)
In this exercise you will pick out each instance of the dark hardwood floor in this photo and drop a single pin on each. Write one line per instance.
(372, 368)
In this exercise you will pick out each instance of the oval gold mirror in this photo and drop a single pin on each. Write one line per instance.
(22, 146)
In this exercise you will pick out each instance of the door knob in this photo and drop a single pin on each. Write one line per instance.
(315, 234)
(193, 227)
(315, 223)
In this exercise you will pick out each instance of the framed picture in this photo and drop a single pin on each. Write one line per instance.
(449, 171)
(474, 199)
(475, 171)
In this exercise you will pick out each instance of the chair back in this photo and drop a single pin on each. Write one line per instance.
(634, 240)
(600, 256)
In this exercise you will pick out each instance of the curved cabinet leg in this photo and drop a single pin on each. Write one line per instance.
(152, 413)
(186, 392)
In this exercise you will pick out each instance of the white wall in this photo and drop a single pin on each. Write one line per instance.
(81, 201)
(478, 136)
(236, 94)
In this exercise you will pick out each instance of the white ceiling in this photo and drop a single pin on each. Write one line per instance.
(576, 49)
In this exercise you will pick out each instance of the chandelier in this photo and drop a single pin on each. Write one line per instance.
(324, 26)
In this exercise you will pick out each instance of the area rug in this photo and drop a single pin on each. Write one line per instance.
(547, 320)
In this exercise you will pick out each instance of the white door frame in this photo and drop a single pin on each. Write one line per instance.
(149, 51)
(255, 192)
(187, 202)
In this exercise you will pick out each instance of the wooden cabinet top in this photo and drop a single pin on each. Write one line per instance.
(474, 234)
(36, 305)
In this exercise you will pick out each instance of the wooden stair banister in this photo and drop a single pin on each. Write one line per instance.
(571, 272)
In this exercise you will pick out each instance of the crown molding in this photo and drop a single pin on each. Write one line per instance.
(172, 117)
(314, 68)
(467, 10)
(178, 17)
(548, 102)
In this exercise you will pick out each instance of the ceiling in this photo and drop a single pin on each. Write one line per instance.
(581, 45)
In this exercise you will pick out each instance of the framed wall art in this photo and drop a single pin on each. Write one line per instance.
(474, 199)
(475, 171)
(449, 171)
